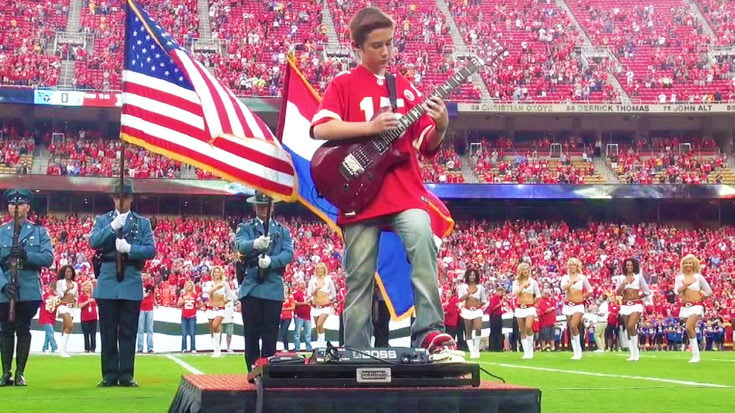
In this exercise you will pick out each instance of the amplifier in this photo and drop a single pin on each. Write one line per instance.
(387, 355)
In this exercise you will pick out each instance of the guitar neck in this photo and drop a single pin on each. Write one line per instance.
(417, 111)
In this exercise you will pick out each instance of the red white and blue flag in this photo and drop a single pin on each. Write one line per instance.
(173, 105)
(300, 102)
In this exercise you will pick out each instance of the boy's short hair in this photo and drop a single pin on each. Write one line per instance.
(367, 20)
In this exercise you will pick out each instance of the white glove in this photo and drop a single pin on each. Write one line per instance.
(262, 242)
(264, 262)
(122, 245)
(119, 221)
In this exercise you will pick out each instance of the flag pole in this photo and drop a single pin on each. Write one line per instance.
(119, 258)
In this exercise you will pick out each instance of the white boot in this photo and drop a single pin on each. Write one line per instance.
(529, 346)
(470, 348)
(524, 346)
(476, 344)
(633, 347)
(217, 346)
(64, 343)
(576, 350)
(695, 350)
(321, 340)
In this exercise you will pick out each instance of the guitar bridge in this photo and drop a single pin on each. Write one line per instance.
(351, 167)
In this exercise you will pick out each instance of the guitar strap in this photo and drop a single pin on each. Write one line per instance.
(391, 81)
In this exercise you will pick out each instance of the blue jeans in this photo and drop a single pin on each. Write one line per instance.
(188, 328)
(283, 332)
(300, 324)
(145, 327)
(413, 227)
(49, 341)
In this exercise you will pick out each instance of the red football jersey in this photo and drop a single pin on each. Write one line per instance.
(189, 307)
(47, 314)
(357, 96)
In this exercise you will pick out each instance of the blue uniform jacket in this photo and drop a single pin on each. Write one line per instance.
(37, 244)
(137, 231)
(280, 251)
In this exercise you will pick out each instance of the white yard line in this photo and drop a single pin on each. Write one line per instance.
(619, 376)
(707, 359)
(188, 367)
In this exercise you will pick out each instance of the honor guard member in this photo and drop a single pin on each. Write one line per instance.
(32, 250)
(261, 291)
(119, 295)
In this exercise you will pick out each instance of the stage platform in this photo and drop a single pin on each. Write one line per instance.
(233, 393)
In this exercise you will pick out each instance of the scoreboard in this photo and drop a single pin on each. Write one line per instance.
(76, 98)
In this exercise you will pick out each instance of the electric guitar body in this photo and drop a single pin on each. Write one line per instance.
(349, 173)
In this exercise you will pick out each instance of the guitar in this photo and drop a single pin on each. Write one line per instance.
(349, 173)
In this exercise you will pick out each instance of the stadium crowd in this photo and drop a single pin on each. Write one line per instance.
(190, 247)
(658, 51)
(500, 159)
(94, 155)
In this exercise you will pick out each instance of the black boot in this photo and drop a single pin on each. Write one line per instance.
(7, 344)
(7, 379)
(21, 357)
(20, 380)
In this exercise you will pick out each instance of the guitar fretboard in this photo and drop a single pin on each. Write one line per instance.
(386, 138)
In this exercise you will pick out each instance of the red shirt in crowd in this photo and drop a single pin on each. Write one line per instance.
(547, 312)
(89, 311)
(302, 311)
(612, 317)
(496, 305)
(451, 311)
(149, 299)
(286, 312)
(47, 314)
(189, 305)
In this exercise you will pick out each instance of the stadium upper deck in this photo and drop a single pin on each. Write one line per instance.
(575, 51)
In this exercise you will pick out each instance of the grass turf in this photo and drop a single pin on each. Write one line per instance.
(602, 382)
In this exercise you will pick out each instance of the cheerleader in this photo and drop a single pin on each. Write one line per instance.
(68, 292)
(576, 288)
(473, 300)
(220, 294)
(527, 292)
(693, 289)
(322, 295)
(632, 287)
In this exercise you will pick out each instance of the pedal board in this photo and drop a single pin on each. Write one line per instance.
(377, 356)
(370, 375)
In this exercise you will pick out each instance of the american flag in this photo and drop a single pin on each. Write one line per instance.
(172, 105)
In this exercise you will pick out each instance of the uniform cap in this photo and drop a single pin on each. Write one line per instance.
(18, 196)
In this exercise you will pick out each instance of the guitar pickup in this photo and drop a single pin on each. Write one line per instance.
(351, 167)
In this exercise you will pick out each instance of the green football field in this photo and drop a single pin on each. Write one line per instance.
(660, 381)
